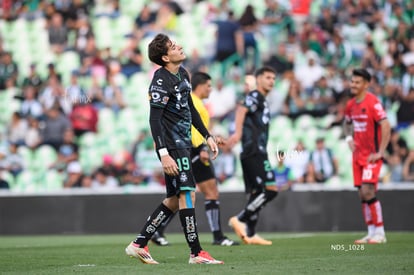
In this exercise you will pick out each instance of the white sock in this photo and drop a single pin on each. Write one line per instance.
(371, 230)
(379, 230)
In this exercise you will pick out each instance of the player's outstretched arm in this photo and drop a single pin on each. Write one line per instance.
(241, 112)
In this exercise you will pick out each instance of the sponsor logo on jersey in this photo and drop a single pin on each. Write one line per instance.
(158, 89)
(189, 224)
(360, 126)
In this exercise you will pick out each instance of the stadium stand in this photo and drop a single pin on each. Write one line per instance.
(25, 36)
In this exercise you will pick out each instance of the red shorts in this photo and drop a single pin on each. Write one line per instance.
(366, 172)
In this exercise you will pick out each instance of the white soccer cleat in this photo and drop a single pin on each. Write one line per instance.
(203, 258)
(363, 240)
(142, 254)
(225, 242)
(377, 239)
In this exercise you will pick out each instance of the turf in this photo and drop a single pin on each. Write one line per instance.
(306, 253)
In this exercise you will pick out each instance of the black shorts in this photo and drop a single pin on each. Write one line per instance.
(202, 171)
(185, 179)
(257, 172)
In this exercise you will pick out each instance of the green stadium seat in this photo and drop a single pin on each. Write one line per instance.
(66, 63)
(44, 157)
(28, 156)
(53, 180)
(90, 158)
(410, 135)
(305, 122)
(26, 181)
(132, 8)
(88, 139)
(106, 121)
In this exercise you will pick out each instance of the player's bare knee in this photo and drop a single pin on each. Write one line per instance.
(367, 191)
(171, 203)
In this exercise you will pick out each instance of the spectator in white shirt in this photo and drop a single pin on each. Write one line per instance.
(322, 163)
(30, 105)
(103, 181)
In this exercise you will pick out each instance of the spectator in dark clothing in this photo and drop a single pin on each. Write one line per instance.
(327, 21)
(249, 26)
(281, 62)
(397, 152)
(131, 57)
(67, 152)
(33, 79)
(144, 22)
(55, 125)
(229, 39)
(8, 70)
(58, 34)
(405, 113)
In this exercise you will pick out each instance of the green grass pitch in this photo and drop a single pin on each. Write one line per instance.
(301, 253)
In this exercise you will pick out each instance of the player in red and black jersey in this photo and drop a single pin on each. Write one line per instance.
(368, 133)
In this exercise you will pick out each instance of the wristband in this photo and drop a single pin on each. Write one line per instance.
(163, 152)
(349, 138)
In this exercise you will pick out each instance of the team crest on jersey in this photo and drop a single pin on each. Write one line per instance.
(183, 177)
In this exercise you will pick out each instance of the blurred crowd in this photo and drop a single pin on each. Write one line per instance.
(312, 45)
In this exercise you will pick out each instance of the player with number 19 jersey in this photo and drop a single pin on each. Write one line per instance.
(172, 94)
(365, 117)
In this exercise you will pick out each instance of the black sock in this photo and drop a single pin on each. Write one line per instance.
(251, 224)
(251, 206)
(256, 202)
(164, 224)
(153, 222)
(213, 216)
(189, 224)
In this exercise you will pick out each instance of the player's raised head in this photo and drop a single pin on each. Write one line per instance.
(157, 48)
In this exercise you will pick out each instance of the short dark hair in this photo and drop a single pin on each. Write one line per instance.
(199, 78)
(362, 73)
(263, 70)
(157, 48)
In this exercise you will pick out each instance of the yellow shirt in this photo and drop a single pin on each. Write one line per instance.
(196, 138)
